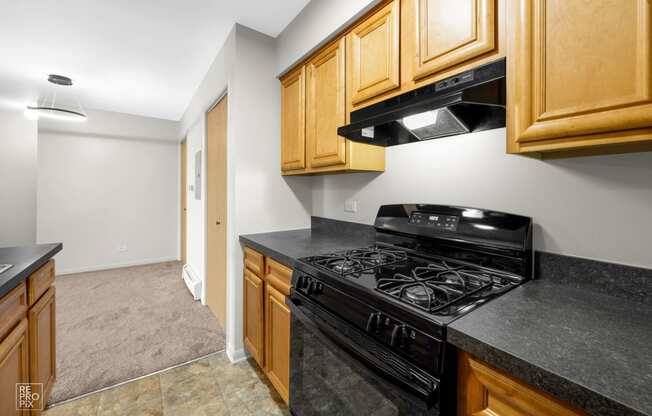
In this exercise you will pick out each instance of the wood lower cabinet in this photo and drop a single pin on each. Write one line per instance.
(42, 348)
(254, 317)
(267, 318)
(14, 367)
(483, 390)
(277, 342)
(579, 79)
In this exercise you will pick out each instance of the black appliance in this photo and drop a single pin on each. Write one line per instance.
(471, 101)
(369, 325)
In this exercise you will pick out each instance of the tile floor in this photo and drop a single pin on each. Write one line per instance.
(210, 386)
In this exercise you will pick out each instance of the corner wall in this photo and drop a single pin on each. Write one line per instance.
(18, 170)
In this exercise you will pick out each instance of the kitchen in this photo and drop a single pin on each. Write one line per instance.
(441, 207)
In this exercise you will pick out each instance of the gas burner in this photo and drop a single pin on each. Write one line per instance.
(357, 260)
(437, 285)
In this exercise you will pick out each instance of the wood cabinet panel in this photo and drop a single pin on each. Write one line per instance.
(450, 32)
(277, 341)
(603, 49)
(254, 261)
(326, 103)
(254, 317)
(373, 58)
(42, 342)
(485, 391)
(293, 120)
(278, 275)
(13, 307)
(14, 368)
(40, 281)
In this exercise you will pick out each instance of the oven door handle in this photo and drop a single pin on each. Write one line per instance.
(364, 349)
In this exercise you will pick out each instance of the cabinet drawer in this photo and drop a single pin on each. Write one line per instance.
(40, 281)
(254, 261)
(13, 307)
(278, 275)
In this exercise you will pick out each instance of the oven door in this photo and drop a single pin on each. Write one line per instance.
(337, 370)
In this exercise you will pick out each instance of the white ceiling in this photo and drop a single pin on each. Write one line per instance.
(144, 57)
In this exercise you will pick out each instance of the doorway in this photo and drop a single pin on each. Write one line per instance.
(184, 202)
(216, 215)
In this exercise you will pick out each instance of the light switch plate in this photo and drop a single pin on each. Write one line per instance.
(351, 205)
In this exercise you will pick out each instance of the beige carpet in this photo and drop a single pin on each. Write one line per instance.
(115, 325)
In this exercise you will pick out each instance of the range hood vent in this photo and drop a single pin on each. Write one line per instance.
(468, 102)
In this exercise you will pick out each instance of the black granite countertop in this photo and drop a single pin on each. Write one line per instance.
(25, 260)
(288, 246)
(587, 348)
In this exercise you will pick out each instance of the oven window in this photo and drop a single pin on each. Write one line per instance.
(327, 380)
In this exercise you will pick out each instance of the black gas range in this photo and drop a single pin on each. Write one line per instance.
(374, 318)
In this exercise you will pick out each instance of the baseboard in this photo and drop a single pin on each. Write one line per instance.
(143, 262)
(235, 356)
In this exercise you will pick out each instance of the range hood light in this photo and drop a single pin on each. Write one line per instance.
(421, 120)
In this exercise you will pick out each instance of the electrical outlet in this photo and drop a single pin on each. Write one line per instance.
(122, 248)
(351, 205)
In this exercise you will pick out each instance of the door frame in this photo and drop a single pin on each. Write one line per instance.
(183, 200)
(226, 220)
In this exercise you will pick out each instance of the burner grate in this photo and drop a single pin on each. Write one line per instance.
(437, 286)
(358, 260)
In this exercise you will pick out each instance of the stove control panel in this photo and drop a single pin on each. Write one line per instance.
(437, 221)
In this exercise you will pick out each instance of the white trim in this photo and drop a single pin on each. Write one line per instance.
(142, 262)
(235, 356)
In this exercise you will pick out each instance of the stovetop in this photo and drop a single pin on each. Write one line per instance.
(432, 285)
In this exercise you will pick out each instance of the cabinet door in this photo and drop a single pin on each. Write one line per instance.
(42, 342)
(450, 32)
(374, 58)
(486, 391)
(277, 341)
(14, 366)
(326, 106)
(293, 122)
(254, 319)
(580, 73)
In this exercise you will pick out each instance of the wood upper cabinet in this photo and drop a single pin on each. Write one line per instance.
(42, 344)
(579, 76)
(483, 390)
(14, 367)
(326, 106)
(446, 33)
(254, 318)
(293, 120)
(373, 59)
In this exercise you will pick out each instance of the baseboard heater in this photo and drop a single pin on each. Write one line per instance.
(192, 281)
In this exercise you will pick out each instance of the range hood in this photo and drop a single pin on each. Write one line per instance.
(471, 101)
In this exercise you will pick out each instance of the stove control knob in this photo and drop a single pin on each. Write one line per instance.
(311, 286)
(319, 287)
(374, 322)
(400, 336)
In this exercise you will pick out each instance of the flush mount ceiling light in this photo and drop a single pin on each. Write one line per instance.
(51, 110)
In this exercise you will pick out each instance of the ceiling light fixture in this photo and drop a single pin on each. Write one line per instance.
(51, 110)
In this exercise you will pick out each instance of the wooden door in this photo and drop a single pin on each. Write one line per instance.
(216, 214)
(483, 390)
(293, 120)
(14, 368)
(326, 102)
(254, 318)
(374, 54)
(580, 73)
(277, 341)
(450, 32)
(42, 342)
(183, 197)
